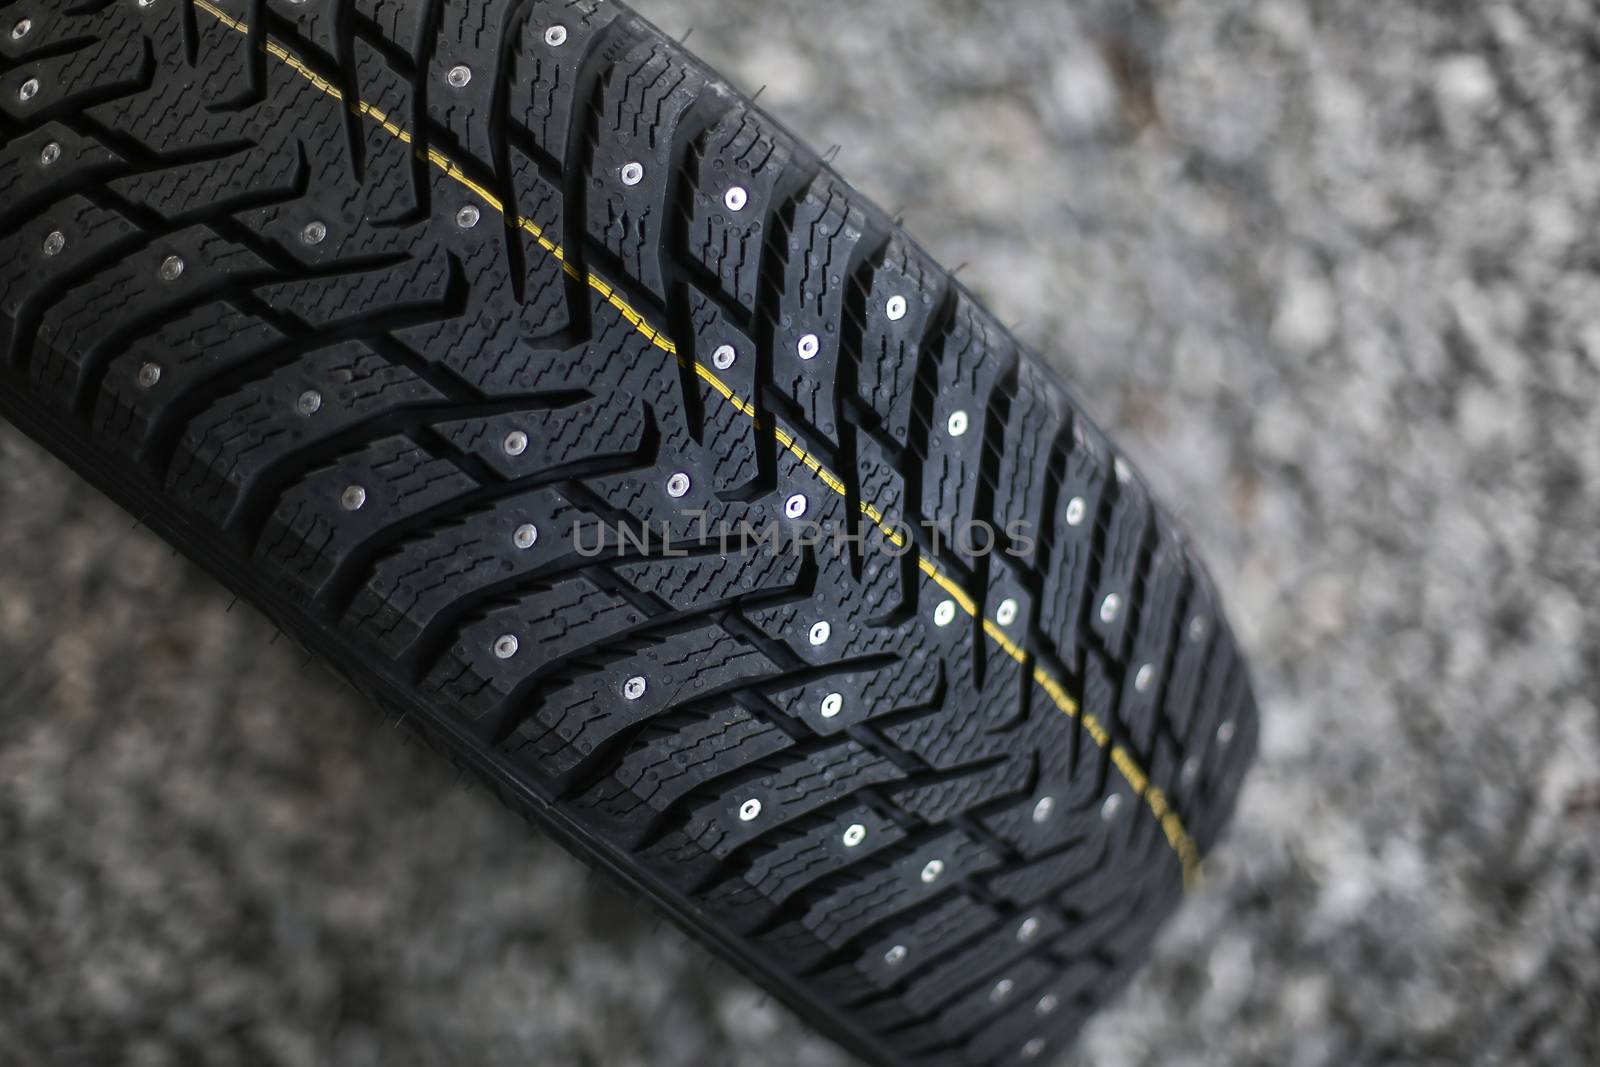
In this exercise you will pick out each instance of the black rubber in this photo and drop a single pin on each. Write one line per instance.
(366, 305)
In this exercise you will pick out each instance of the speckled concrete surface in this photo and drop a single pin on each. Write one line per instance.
(1327, 269)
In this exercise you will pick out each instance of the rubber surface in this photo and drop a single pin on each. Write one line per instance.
(367, 306)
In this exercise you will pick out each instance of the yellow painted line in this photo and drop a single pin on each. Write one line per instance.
(1188, 853)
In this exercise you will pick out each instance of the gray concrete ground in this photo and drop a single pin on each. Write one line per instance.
(1327, 269)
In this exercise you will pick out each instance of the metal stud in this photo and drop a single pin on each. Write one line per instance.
(149, 375)
(1006, 613)
(171, 268)
(525, 535)
(1142, 679)
(516, 443)
(854, 834)
(895, 308)
(1112, 805)
(632, 173)
(932, 870)
(795, 506)
(1110, 608)
(678, 484)
(20, 30)
(1032, 1049)
(555, 36)
(735, 198)
(309, 403)
(54, 242)
(1043, 809)
(1225, 732)
(809, 346)
(832, 704)
(1002, 989)
(147, 3)
(895, 956)
(957, 423)
(1028, 929)
(1076, 509)
(749, 810)
(459, 76)
(634, 687)
(723, 357)
(945, 613)
(468, 216)
(506, 645)
(820, 632)
(1046, 1005)
(353, 498)
(1190, 772)
(28, 90)
(49, 154)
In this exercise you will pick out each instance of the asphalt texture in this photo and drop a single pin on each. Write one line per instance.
(1327, 270)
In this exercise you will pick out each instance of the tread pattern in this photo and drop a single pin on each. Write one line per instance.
(945, 830)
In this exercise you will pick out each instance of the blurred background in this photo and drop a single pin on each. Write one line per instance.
(1327, 269)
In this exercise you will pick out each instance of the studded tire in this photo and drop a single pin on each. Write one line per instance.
(369, 307)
